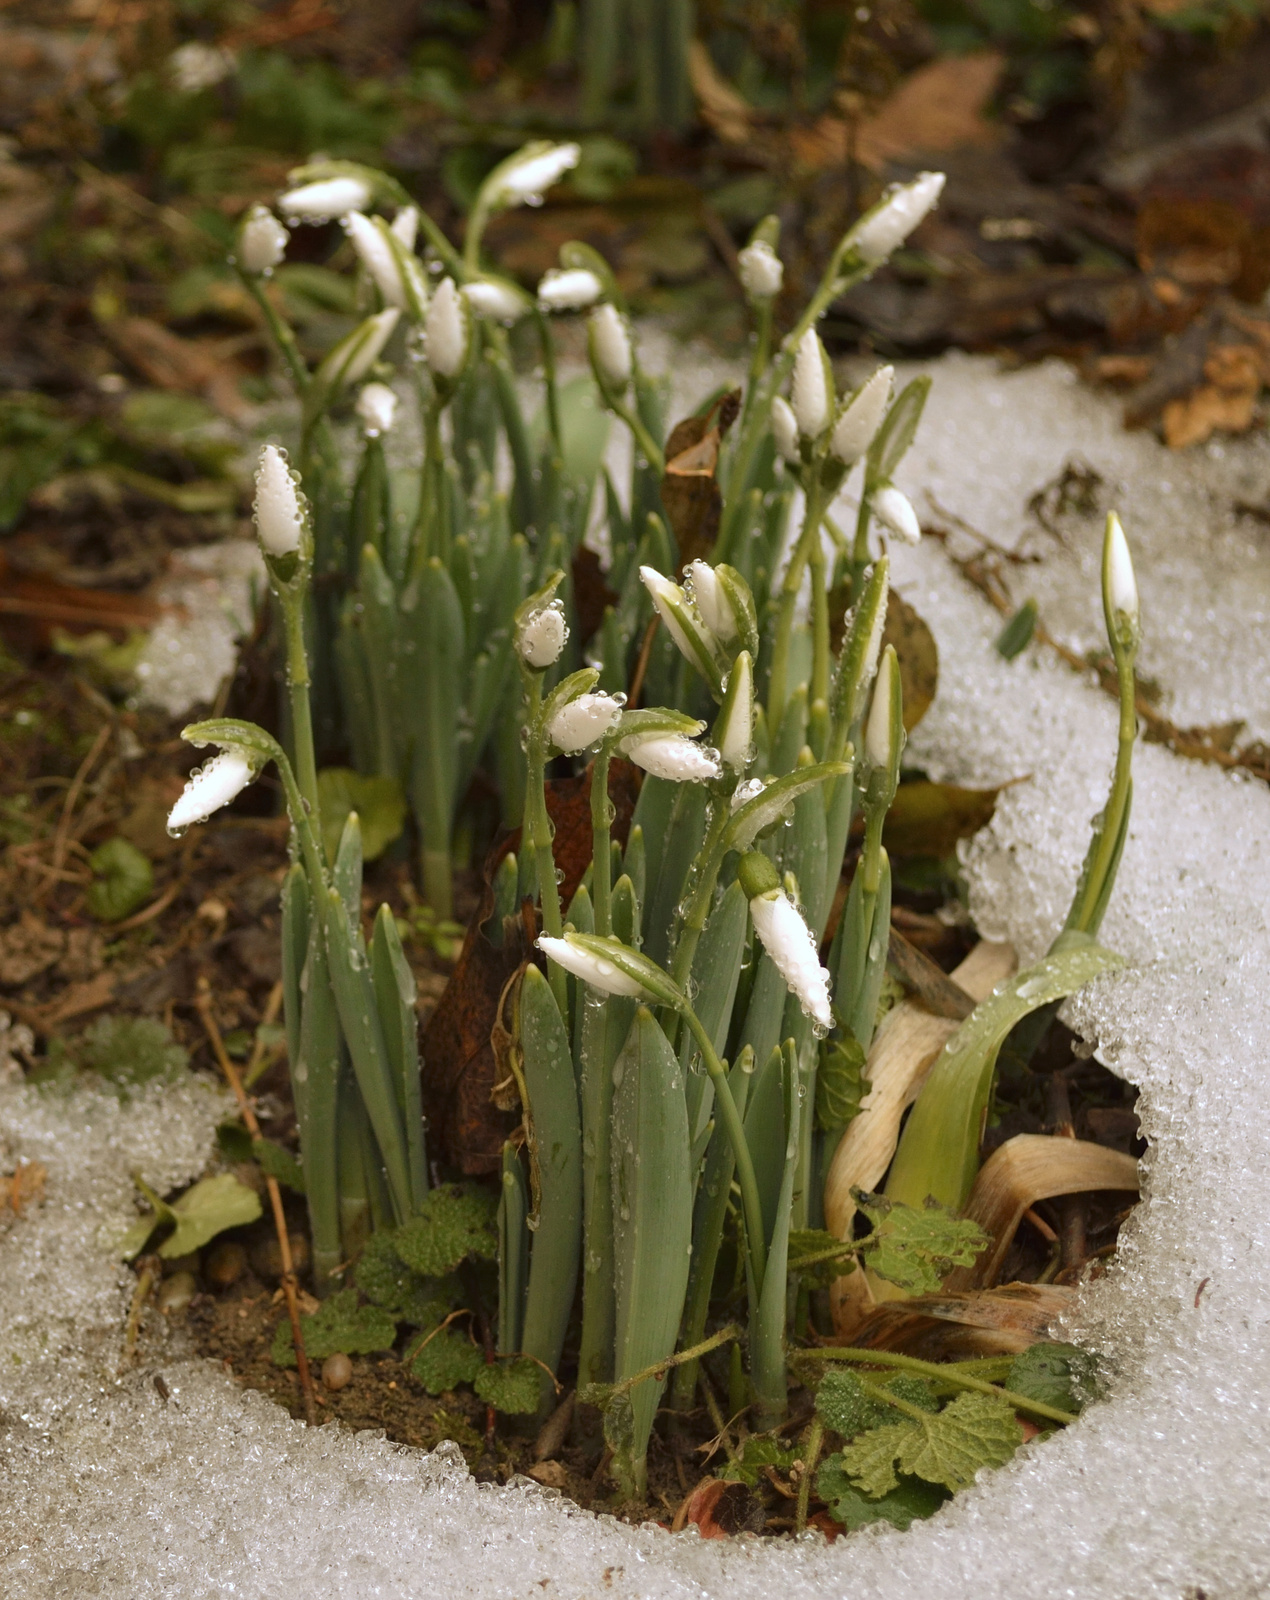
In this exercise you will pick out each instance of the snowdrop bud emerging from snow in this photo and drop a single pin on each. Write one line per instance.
(762, 271)
(377, 408)
(611, 346)
(809, 393)
(584, 721)
(542, 636)
(672, 756)
(592, 967)
(405, 226)
(320, 202)
(262, 241)
(895, 512)
(279, 515)
(1119, 584)
(788, 940)
(569, 289)
(785, 428)
(861, 418)
(525, 182)
(498, 301)
(376, 255)
(214, 785)
(877, 731)
(888, 227)
(445, 331)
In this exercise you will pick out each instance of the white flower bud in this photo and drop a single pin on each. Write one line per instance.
(1121, 586)
(785, 429)
(788, 940)
(279, 514)
(762, 271)
(569, 289)
(682, 622)
(809, 393)
(542, 636)
(320, 202)
(736, 725)
(525, 182)
(262, 241)
(860, 419)
(405, 226)
(877, 730)
(611, 346)
(591, 968)
(895, 512)
(363, 358)
(584, 721)
(445, 331)
(884, 230)
(672, 756)
(501, 302)
(212, 786)
(712, 602)
(376, 406)
(376, 255)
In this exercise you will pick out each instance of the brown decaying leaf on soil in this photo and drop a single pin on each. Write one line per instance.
(960, 1325)
(690, 493)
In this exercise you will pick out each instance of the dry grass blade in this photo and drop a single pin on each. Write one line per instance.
(961, 1325)
(1028, 1168)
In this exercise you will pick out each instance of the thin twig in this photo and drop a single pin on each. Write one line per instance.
(257, 1063)
(815, 1438)
(72, 796)
(203, 1005)
(146, 1280)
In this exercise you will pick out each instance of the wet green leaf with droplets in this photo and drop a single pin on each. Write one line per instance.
(845, 1406)
(910, 1501)
(338, 1326)
(840, 1082)
(454, 1222)
(447, 1359)
(510, 1386)
(915, 1248)
(1061, 1375)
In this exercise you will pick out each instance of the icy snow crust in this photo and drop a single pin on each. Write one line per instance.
(1159, 1492)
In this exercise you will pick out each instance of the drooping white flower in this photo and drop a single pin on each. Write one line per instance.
(279, 514)
(878, 235)
(879, 745)
(376, 406)
(405, 226)
(735, 728)
(611, 346)
(376, 255)
(809, 392)
(262, 241)
(541, 637)
(1121, 585)
(326, 199)
(788, 940)
(212, 786)
(196, 66)
(569, 289)
(861, 417)
(584, 721)
(785, 429)
(524, 182)
(445, 331)
(672, 756)
(712, 602)
(680, 618)
(501, 302)
(894, 511)
(762, 270)
(591, 967)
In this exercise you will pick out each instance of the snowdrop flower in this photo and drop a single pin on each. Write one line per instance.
(212, 786)
(262, 241)
(326, 199)
(445, 331)
(788, 940)
(691, 636)
(878, 743)
(501, 302)
(586, 962)
(376, 406)
(785, 429)
(762, 270)
(376, 255)
(611, 346)
(569, 289)
(672, 756)
(885, 229)
(405, 226)
(375, 333)
(809, 395)
(279, 513)
(584, 721)
(541, 637)
(895, 512)
(1119, 584)
(525, 181)
(860, 419)
(735, 728)
(712, 602)
(196, 66)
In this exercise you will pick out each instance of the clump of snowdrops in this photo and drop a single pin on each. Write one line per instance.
(685, 1065)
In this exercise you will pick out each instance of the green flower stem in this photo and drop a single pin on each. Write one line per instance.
(648, 446)
(280, 331)
(777, 684)
(762, 352)
(811, 1455)
(733, 1330)
(537, 836)
(860, 548)
(820, 657)
(1085, 916)
(755, 1239)
(551, 391)
(944, 1374)
(292, 601)
(428, 519)
(601, 853)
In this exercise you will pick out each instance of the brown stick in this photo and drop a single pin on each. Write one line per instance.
(203, 1005)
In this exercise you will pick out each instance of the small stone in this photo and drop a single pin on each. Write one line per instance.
(337, 1371)
(266, 1255)
(176, 1292)
(551, 1474)
(226, 1264)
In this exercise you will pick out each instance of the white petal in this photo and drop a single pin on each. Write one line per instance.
(542, 636)
(445, 331)
(1122, 585)
(212, 786)
(375, 254)
(535, 176)
(377, 407)
(878, 235)
(788, 940)
(279, 516)
(761, 269)
(785, 428)
(378, 330)
(809, 392)
(569, 289)
(590, 968)
(895, 512)
(584, 721)
(332, 197)
(496, 300)
(612, 345)
(262, 241)
(859, 421)
(877, 731)
(672, 756)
